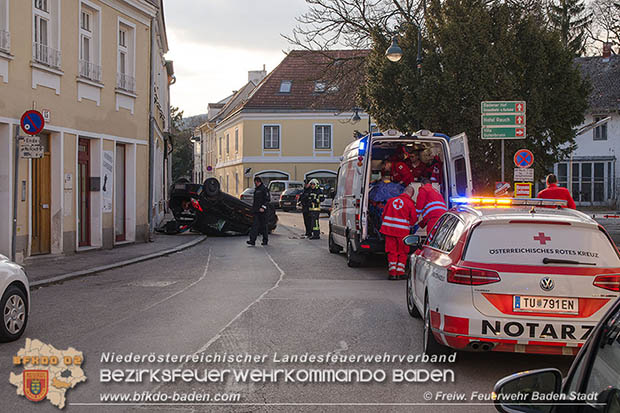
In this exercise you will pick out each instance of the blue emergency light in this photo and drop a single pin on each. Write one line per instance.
(506, 202)
(362, 147)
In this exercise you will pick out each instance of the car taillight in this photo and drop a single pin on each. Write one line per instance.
(297, 197)
(608, 282)
(471, 276)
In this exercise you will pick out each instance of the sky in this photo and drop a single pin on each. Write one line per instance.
(214, 43)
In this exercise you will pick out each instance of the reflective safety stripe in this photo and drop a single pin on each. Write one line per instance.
(431, 204)
(406, 221)
(439, 207)
(389, 224)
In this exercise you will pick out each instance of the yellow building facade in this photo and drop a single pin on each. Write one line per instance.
(85, 65)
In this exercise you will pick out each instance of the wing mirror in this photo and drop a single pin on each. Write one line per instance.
(528, 391)
(413, 241)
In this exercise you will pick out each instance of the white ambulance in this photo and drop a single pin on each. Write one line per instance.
(354, 224)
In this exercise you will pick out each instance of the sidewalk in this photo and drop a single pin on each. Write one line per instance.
(49, 269)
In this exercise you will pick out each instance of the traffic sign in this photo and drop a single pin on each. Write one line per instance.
(502, 188)
(524, 158)
(502, 107)
(502, 120)
(32, 122)
(524, 175)
(523, 190)
(503, 132)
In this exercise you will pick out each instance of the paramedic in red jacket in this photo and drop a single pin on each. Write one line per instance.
(430, 205)
(553, 191)
(398, 217)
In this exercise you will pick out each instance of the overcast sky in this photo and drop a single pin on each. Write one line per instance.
(214, 43)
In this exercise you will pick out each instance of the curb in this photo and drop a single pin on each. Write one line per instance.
(81, 273)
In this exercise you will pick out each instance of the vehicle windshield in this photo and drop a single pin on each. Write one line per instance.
(296, 185)
(291, 191)
(541, 244)
(276, 187)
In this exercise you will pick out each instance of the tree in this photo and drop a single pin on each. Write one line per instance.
(572, 20)
(606, 22)
(182, 147)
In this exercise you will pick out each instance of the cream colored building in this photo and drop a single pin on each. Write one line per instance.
(85, 65)
(290, 126)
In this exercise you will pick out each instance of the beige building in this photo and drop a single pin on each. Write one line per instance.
(290, 126)
(85, 65)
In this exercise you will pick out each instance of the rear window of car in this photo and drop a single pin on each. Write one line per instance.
(293, 191)
(530, 244)
(276, 187)
(296, 185)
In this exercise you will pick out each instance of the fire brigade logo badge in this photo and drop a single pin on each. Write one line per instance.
(398, 204)
(36, 384)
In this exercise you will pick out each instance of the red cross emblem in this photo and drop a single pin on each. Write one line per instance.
(542, 238)
(398, 204)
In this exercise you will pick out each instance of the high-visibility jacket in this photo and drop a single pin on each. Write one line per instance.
(316, 197)
(402, 173)
(398, 216)
(553, 191)
(434, 170)
(430, 205)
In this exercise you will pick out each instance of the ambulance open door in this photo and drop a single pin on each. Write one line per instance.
(460, 166)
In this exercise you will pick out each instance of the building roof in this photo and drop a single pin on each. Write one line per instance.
(233, 102)
(604, 75)
(339, 71)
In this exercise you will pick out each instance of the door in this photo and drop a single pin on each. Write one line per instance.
(460, 167)
(83, 192)
(119, 194)
(41, 201)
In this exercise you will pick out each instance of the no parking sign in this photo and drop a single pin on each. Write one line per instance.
(32, 122)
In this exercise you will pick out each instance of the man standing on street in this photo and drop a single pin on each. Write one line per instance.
(553, 191)
(398, 218)
(259, 208)
(316, 197)
(430, 205)
(305, 209)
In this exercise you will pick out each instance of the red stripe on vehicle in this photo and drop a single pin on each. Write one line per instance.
(541, 269)
(455, 325)
(435, 319)
(587, 306)
(457, 342)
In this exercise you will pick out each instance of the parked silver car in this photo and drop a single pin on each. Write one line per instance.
(15, 301)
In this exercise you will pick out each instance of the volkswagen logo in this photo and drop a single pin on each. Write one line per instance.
(547, 284)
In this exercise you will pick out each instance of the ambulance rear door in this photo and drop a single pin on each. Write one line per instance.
(460, 166)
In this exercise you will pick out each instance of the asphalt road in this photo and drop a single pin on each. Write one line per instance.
(222, 296)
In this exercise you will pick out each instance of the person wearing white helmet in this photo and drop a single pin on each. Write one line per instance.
(316, 197)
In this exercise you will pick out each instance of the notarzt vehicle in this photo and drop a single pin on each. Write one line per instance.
(355, 218)
(515, 275)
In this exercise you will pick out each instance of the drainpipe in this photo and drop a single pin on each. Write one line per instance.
(151, 131)
(15, 192)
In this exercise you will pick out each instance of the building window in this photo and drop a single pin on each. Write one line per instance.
(319, 87)
(285, 86)
(322, 136)
(46, 33)
(89, 64)
(236, 182)
(5, 36)
(227, 190)
(236, 140)
(590, 182)
(600, 132)
(125, 73)
(271, 137)
(227, 144)
(220, 151)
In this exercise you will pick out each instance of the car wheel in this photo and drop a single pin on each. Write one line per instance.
(14, 314)
(333, 247)
(430, 346)
(413, 310)
(354, 259)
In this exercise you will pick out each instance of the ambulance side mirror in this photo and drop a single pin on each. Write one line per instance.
(413, 241)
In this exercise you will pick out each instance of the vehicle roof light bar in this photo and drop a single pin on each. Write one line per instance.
(489, 201)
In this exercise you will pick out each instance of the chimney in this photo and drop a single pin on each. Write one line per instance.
(255, 76)
(606, 50)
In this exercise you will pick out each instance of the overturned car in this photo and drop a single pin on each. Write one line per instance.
(206, 208)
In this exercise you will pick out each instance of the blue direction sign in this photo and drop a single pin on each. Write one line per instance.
(32, 122)
(524, 158)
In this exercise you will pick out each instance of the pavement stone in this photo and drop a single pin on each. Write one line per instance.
(53, 268)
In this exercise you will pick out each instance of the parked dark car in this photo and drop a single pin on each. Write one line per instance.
(289, 198)
(207, 209)
(592, 383)
(247, 195)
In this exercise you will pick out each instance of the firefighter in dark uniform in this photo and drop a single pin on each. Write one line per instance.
(304, 199)
(316, 197)
(259, 209)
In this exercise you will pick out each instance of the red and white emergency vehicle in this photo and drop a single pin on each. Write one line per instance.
(352, 225)
(515, 275)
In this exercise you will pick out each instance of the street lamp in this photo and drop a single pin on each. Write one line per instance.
(394, 53)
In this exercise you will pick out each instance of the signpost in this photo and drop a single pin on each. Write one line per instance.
(524, 175)
(29, 147)
(503, 120)
(524, 158)
(523, 190)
